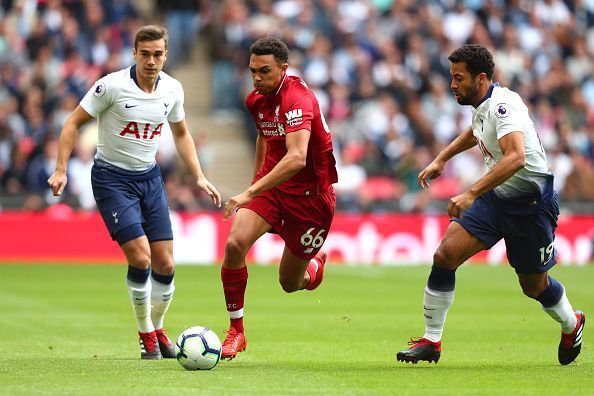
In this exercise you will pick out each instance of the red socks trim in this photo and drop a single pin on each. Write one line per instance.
(234, 285)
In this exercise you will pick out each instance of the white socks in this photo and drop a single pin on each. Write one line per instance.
(563, 313)
(140, 294)
(437, 303)
(150, 301)
(435, 309)
(161, 296)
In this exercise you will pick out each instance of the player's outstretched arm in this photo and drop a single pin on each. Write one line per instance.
(293, 161)
(57, 181)
(187, 151)
(463, 142)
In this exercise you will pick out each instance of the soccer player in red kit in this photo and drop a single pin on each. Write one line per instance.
(291, 193)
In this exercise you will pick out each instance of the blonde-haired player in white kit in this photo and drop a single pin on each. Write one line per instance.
(514, 200)
(132, 105)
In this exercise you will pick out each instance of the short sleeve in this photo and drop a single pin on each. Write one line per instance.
(507, 119)
(177, 112)
(99, 97)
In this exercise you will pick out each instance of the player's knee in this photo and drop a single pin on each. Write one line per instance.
(533, 286)
(235, 248)
(444, 259)
(163, 265)
(532, 291)
(529, 292)
(140, 259)
(289, 285)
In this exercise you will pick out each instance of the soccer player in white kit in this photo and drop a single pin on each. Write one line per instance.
(514, 200)
(132, 106)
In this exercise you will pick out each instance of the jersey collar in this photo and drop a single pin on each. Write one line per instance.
(281, 84)
(488, 95)
(133, 77)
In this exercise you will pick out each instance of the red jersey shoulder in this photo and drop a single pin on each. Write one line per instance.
(297, 105)
(296, 87)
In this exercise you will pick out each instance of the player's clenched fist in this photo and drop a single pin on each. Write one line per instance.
(460, 203)
(57, 182)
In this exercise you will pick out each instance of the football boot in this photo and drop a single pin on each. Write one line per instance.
(165, 345)
(571, 344)
(234, 343)
(149, 346)
(420, 349)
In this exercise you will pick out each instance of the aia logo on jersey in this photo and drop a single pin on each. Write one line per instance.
(132, 129)
(501, 110)
(294, 117)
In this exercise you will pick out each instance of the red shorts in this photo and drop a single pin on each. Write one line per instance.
(302, 221)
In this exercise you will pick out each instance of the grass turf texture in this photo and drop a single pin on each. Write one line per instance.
(70, 330)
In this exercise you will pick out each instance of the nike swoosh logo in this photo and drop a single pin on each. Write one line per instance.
(129, 106)
(429, 309)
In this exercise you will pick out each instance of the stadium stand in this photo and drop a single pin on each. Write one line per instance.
(379, 68)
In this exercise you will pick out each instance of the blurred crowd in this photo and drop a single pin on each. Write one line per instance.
(51, 52)
(378, 67)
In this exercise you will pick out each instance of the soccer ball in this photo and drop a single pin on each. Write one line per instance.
(198, 348)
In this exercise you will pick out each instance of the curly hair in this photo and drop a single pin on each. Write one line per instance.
(271, 46)
(478, 59)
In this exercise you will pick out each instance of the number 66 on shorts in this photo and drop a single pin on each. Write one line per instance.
(302, 221)
(315, 241)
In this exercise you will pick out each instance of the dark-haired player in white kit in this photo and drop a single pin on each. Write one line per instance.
(132, 105)
(514, 200)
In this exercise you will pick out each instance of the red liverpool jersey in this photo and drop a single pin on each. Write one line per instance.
(294, 107)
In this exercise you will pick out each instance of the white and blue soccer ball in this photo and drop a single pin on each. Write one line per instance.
(198, 348)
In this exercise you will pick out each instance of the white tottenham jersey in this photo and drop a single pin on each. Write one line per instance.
(130, 120)
(503, 112)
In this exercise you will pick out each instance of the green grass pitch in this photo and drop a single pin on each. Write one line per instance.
(70, 330)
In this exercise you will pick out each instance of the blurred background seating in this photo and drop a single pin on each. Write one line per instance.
(378, 67)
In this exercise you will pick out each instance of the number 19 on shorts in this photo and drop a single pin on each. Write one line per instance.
(546, 253)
